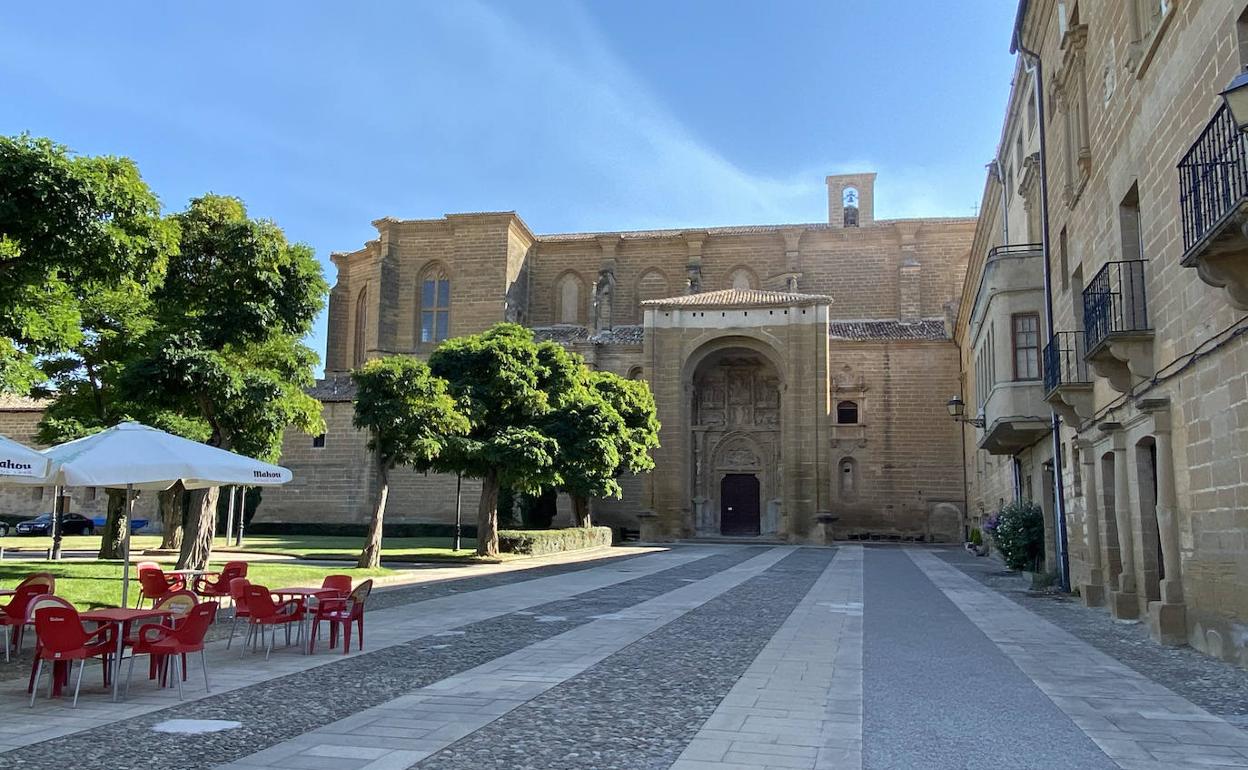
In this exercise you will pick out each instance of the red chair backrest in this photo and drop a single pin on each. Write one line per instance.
(44, 579)
(232, 570)
(260, 601)
(40, 602)
(147, 565)
(238, 591)
(16, 608)
(178, 603)
(338, 583)
(359, 596)
(192, 630)
(153, 583)
(60, 630)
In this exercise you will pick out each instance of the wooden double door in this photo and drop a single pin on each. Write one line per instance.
(739, 505)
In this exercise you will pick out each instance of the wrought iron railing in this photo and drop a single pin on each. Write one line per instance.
(1213, 177)
(1063, 361)
(1014, 248)
(1114, 301)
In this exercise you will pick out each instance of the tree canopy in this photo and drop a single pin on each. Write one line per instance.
(409, 417)
(82, 241)
(540, 420)
(225, 351)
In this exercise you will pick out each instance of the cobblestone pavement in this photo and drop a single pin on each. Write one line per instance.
(703, 657)
(1217, 687)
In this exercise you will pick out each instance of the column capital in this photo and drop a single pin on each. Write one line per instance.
(1159, 408)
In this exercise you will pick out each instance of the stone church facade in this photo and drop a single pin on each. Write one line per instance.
(797, 368)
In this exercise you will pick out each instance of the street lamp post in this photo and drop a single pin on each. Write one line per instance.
(957, 410)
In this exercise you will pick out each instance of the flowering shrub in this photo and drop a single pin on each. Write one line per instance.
(1018, 531)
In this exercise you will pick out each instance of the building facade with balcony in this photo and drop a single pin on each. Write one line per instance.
(1147, 366)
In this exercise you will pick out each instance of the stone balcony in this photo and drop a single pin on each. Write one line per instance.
(1067, 383)
(1213, 201)
(1015, 416)
(1115, 318)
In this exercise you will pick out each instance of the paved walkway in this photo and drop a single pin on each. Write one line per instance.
(701, 657)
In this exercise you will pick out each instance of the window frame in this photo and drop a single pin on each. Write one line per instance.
(1015, 348)
(437, 275)
(857, 412)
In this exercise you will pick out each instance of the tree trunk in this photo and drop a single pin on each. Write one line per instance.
(370, 557)
(580, 510)
(112, 539)
(487, 516)
(171, 502)
(201, 526)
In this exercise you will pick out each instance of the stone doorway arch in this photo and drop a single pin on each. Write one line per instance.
(735, 421)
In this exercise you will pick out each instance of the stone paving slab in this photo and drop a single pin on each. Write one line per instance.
(641, 706)
(235, 676)
(799, 704)
(1134, 720)
(434, 717)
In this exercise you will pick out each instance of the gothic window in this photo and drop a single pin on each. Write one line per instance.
(849, 206)
(652, 285)
(847, 413)
(568, 297)
(1026, 328)
(435, 306)
(847, 478)
(742, 279)
(361, 328)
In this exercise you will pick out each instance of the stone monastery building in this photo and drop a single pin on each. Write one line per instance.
(797, 368)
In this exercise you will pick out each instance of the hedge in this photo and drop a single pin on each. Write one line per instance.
(541, 542)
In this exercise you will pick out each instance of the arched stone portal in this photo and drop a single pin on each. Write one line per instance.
(736, 443)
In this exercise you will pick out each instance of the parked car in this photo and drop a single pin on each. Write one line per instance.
(72, 524)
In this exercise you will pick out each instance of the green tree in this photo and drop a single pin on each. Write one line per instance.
(81, 242)
(409, 417)
(495, 379)
(225, 350)
(633, 402)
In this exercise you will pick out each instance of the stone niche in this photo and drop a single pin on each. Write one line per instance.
(736, 432)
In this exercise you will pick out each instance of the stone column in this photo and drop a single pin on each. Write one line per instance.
(1167, 618)
(1123, 601)
(1093, 591)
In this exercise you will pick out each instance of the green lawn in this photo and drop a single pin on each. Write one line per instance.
(98, 584)
(310, 546)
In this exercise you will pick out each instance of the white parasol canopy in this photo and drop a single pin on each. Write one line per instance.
(20, 464)
(134, 455)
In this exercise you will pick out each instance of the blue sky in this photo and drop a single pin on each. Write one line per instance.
(597, 115)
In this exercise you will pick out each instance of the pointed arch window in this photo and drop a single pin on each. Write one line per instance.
(361, 328)
(435, 306)
(847, 413)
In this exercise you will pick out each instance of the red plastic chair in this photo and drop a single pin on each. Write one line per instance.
(238, 597)
(339, 583)
(154, 584)
(266, 612)
(37, 603)
(342, 612)
(173, 644)
(63, 638)
(216, 585)
(13, 616)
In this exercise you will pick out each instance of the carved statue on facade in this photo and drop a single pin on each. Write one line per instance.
(604, 292)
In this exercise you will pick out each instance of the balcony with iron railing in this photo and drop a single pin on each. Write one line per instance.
(1213, 203)
(1067, 383)
(1118, 336)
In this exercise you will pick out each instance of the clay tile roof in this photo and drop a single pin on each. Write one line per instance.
(333, 388)
(620, 335)
(563, 334)
(739, 298)
(926, 329)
